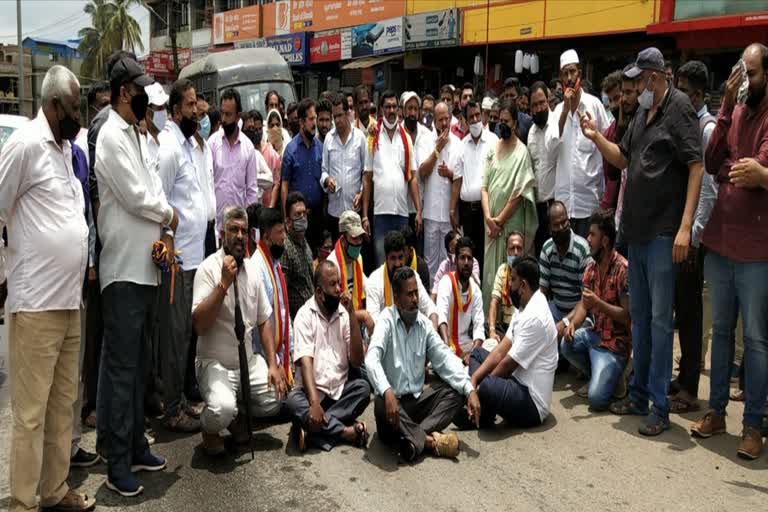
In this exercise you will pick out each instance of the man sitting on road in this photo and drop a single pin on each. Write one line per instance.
(500, 295)
(407, 414)
(327, 400)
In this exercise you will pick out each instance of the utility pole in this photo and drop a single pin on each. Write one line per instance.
(20, 59)
(172, 36)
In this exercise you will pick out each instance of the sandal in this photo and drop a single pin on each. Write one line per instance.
(627, 407)
(361, 431)
(681, 405)
(301, 438)
(653, 425)
(71, 502)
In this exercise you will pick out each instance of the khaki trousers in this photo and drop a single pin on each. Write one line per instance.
(44, 348)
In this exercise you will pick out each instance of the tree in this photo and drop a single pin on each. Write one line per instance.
(112, 28)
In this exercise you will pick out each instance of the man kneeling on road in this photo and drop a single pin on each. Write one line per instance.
(515, 380)
(327, 399)
(407, 415)
(213, 315)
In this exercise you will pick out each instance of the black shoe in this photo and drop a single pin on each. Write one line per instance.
(84, 459)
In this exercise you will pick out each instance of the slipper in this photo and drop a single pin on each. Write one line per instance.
(361, 431)
(680, 405)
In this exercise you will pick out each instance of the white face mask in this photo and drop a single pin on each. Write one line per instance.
(476, 129)
(388, 125)
(645, 100)
(159, 117)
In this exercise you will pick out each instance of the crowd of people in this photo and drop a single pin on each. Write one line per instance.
(443, 256)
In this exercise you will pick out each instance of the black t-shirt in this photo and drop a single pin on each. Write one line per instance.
(423, 270)
(657, 176)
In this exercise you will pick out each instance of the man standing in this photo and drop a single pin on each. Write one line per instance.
(512, 92)
(323, 111)
(297, 261)
(326, 400)
(180, 179)
(389, 175)
(736, 266)
(423, 144)
(427, 113)
(363, 109)
(157, 115)
(253, 128)
(579, 176)
(134, 213)
(344, 153)
(407, 415)
(42, 204)
(662, 192)
(302, 170)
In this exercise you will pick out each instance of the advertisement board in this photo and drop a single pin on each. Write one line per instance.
(284, 16)
(431, 29)
(236, 25)
(160, 62)
(377, 38)
(330, 46)
(293, 47)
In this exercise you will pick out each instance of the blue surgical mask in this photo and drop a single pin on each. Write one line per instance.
(159, 117)
(511, 260)
(205, 127)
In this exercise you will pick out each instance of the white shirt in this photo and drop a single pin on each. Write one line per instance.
(422, 148)
(437, 189)
(204, 166)
(374, 296)
(542, 145)
(184, 192)
(534, 347)
(579, 178)
(472, 318)
(344, 163)
(133, 206)
(390, 190)
(473, 162)
(153, 150)
(41, 202)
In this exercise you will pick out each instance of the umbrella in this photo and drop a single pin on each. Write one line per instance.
(245, 382)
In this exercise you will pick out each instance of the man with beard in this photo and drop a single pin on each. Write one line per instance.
(601, 349)
(362, 108)
(512, 92)
(297, 261)
(423, 146)
(460, 304)
(292, 118)
(323, 111)
(302, 169)
(542, 145)
(185, 194)
(736, 266)
(378, 287)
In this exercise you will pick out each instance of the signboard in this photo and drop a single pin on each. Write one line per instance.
(284, 16)
(160, 62)
(330, 46)
(293, 47)
(432, 29)
(236, 25)
(377, 38)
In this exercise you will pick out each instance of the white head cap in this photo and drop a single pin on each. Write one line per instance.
(487, 103)
(568, 57)
(408, 96)
(157, 95)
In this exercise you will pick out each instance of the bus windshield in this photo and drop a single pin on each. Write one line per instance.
(253, 95)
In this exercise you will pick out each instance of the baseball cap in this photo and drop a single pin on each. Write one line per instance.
(350, 223)
(157, 95)
(128, 70)
(650, 59)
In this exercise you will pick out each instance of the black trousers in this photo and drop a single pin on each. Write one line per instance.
(175, 334)
(542, 233)
(689, 314)
(473, 223)
(94, 333)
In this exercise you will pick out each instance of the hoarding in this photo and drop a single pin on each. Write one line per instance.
(377, 38)
(431, 29)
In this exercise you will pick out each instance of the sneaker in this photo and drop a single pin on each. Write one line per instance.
(148, 462)
(653, 425)
(213, 444)
(583, 391)
(84, 459)
(182, 422)
(72, 501)
(708, 426)
(751, 444)
(446, 445)
(127, 486)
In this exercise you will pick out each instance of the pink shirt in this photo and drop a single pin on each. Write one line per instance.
(234, 172)
(327, 342)
(273, 161)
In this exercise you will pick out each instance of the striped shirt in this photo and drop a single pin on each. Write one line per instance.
(562, 276)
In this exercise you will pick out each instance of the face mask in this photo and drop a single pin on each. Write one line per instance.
(300, 225)
(68, 127)
(476, 129)
(229, 129)
(428, 120)
(251, 134)
(492, 126)
(159, 117)
(205, 127)
(330, 303)
(388, 125)
(514, 298)
(409, 317)
(323, 254)
(188, 126)
(294, 126)
(561, 237)
(139, 105)
(411, 123)
(505, 132)
(511, 260)
(256, 139)
(353, 251)
(605, 99)
(645, 100)
(540, 118)
(615, 113)
(276, 251)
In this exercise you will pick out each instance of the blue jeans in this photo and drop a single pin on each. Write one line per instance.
(383, 224)
(652, 278)
(735, 285)
(603, 366)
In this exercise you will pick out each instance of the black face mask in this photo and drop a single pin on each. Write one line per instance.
(229, 129)
(615, 113)
(294, 127)
(188, 126)
(514, 298)
(251, 134)
(428, 120)
(561, 237)
(505, 132)
(411, 123)
(139, 105)
(330, 303)
(492, 126)
(276, 251)
(540, 118)
(68, 127)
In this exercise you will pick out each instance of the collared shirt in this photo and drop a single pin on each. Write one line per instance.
(302, 168)
(472, 167)
(219, 341)
(579, 176)
(397, 356)
(611, 288)
(298, 270)
(182, 187)
(499, 286)
(471, 323)
(562, 275)
(423, 146)
(263, 271)
(708, 194)
(204, 166)
(327, 343)
(42, 204)
(542, 144)
(344, 163)
(390, 190)
(658, 156)
(448, 265)
(736, 228)
(374, 296)
(133, 205)
(272, 160)
(153, 151)
(93, 135)
(234, 172)
(437, 189)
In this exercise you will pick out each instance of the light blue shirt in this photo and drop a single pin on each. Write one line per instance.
(344, 163)
(708, 194)
(182, 187)
(261, 265)
(396, 357)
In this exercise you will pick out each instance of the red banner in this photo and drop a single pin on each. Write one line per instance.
(325, 48)
(160, 62)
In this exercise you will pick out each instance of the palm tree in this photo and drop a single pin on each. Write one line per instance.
(123, 23)
(112, 28)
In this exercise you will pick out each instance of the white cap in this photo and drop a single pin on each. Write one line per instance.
(487, 103)
(568, 57)
(408, 96)
(157, 95)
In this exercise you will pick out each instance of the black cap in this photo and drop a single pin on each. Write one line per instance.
(648, 59)
(128, 70)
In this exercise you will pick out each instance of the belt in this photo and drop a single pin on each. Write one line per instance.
(472, 205)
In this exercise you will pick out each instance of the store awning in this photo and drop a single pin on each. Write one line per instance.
(370, 62)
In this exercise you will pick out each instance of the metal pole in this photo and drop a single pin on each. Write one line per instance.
(487, 29)
(20, 59)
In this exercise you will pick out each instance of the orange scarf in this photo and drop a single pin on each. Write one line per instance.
(281, 324)
(387, 286)
(414, 260)
(373, 145)
(455, 308)
(358, 294)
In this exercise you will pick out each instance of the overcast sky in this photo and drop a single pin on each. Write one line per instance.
(55, 19)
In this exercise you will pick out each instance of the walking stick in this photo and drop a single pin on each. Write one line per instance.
(245, 381)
